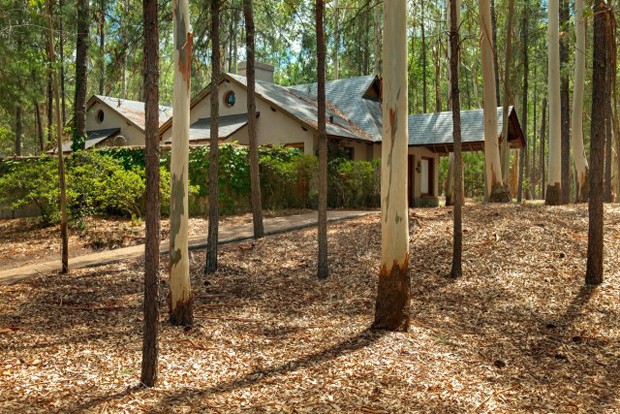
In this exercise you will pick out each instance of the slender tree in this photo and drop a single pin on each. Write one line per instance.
(257, 208)
(323, 264)
(214, 212)
(393, 295)
(608, 193)
(336, 52)
(581, 163)
(594, 270)
(61, 48)
(554, 188)
(495, 188)
(102, 8)
(64, 234)
(508, 69)
(81, 62)
(543, 130)
(457, 252)
(524, 162)
(150, 340)
(564, 103)
(180, 285)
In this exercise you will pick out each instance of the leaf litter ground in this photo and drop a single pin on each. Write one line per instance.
(518, 333)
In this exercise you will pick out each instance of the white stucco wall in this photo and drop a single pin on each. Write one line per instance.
(112, 120)
(418, 153)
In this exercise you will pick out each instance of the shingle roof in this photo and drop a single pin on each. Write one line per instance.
(133, 110)
(346, 96)
(304, 108)
(93, 138)
(436, 128)
(228, 125)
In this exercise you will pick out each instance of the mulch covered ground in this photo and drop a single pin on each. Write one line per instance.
(518, 333)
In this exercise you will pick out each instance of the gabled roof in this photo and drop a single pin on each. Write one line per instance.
(132, 111)
(228, 125)
(350, 98)
(435, 130)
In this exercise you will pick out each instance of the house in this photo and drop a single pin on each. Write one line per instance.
(288, 116)
(114, 122)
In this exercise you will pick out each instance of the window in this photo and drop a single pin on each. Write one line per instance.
(427, 174)
(230, 98)
(100, 116)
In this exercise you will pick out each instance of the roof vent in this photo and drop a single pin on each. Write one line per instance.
(331, 119)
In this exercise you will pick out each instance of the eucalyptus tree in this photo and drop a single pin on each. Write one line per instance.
(393, 291)
(553, 194)
(581, 163)
(180, 286)
(564, 104)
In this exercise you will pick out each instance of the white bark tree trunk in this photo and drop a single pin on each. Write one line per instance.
(554, 188)
(581, 163)
(180, 288)
(393, 296)
(496, 191)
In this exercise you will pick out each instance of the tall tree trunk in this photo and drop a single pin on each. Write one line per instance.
(64, 236)
(257, 208)
(378, 41)
(393, 295)
(533, 174)
(150, 340)
(581, 164)
(336, 40)
(608, 194)
(543, 139)
(565, 104)
(553, 194)
(496, 191)
(102, 6)
(505, 147)
(523, 170)
(19, 128)
(61, 47)
(594, 270)
(180, 285)
(81, 56)
(323, 264)
(457, 252)
(438, 76)
(40, 135)
(424, 64)
(450, 178)
(50, 103)
(214, 212)
(495, 54)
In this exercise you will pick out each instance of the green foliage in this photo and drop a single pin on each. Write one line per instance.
(32, 182)
(359, 183)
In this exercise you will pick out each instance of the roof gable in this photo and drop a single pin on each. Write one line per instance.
(132, 111)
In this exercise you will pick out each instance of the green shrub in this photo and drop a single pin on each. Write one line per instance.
(32, 181)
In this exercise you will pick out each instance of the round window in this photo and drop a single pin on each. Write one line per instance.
(100, 116)
(230, 99)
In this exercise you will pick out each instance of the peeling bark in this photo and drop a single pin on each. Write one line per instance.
(393, 297)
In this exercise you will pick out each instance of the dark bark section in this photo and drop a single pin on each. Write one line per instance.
(181, 313)
(81, 55)
(393, 298)
(257, 208)
(457, 247)
(40, 135)
(523, 160)
(553, 195)
(608, 194)
(564, 104)
(150, 344)
(19, 130)
(594, 270)
(323, 268)
(500, 194)
(50, 104)
(214, 213)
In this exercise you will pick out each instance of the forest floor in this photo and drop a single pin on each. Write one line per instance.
(518, 333)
